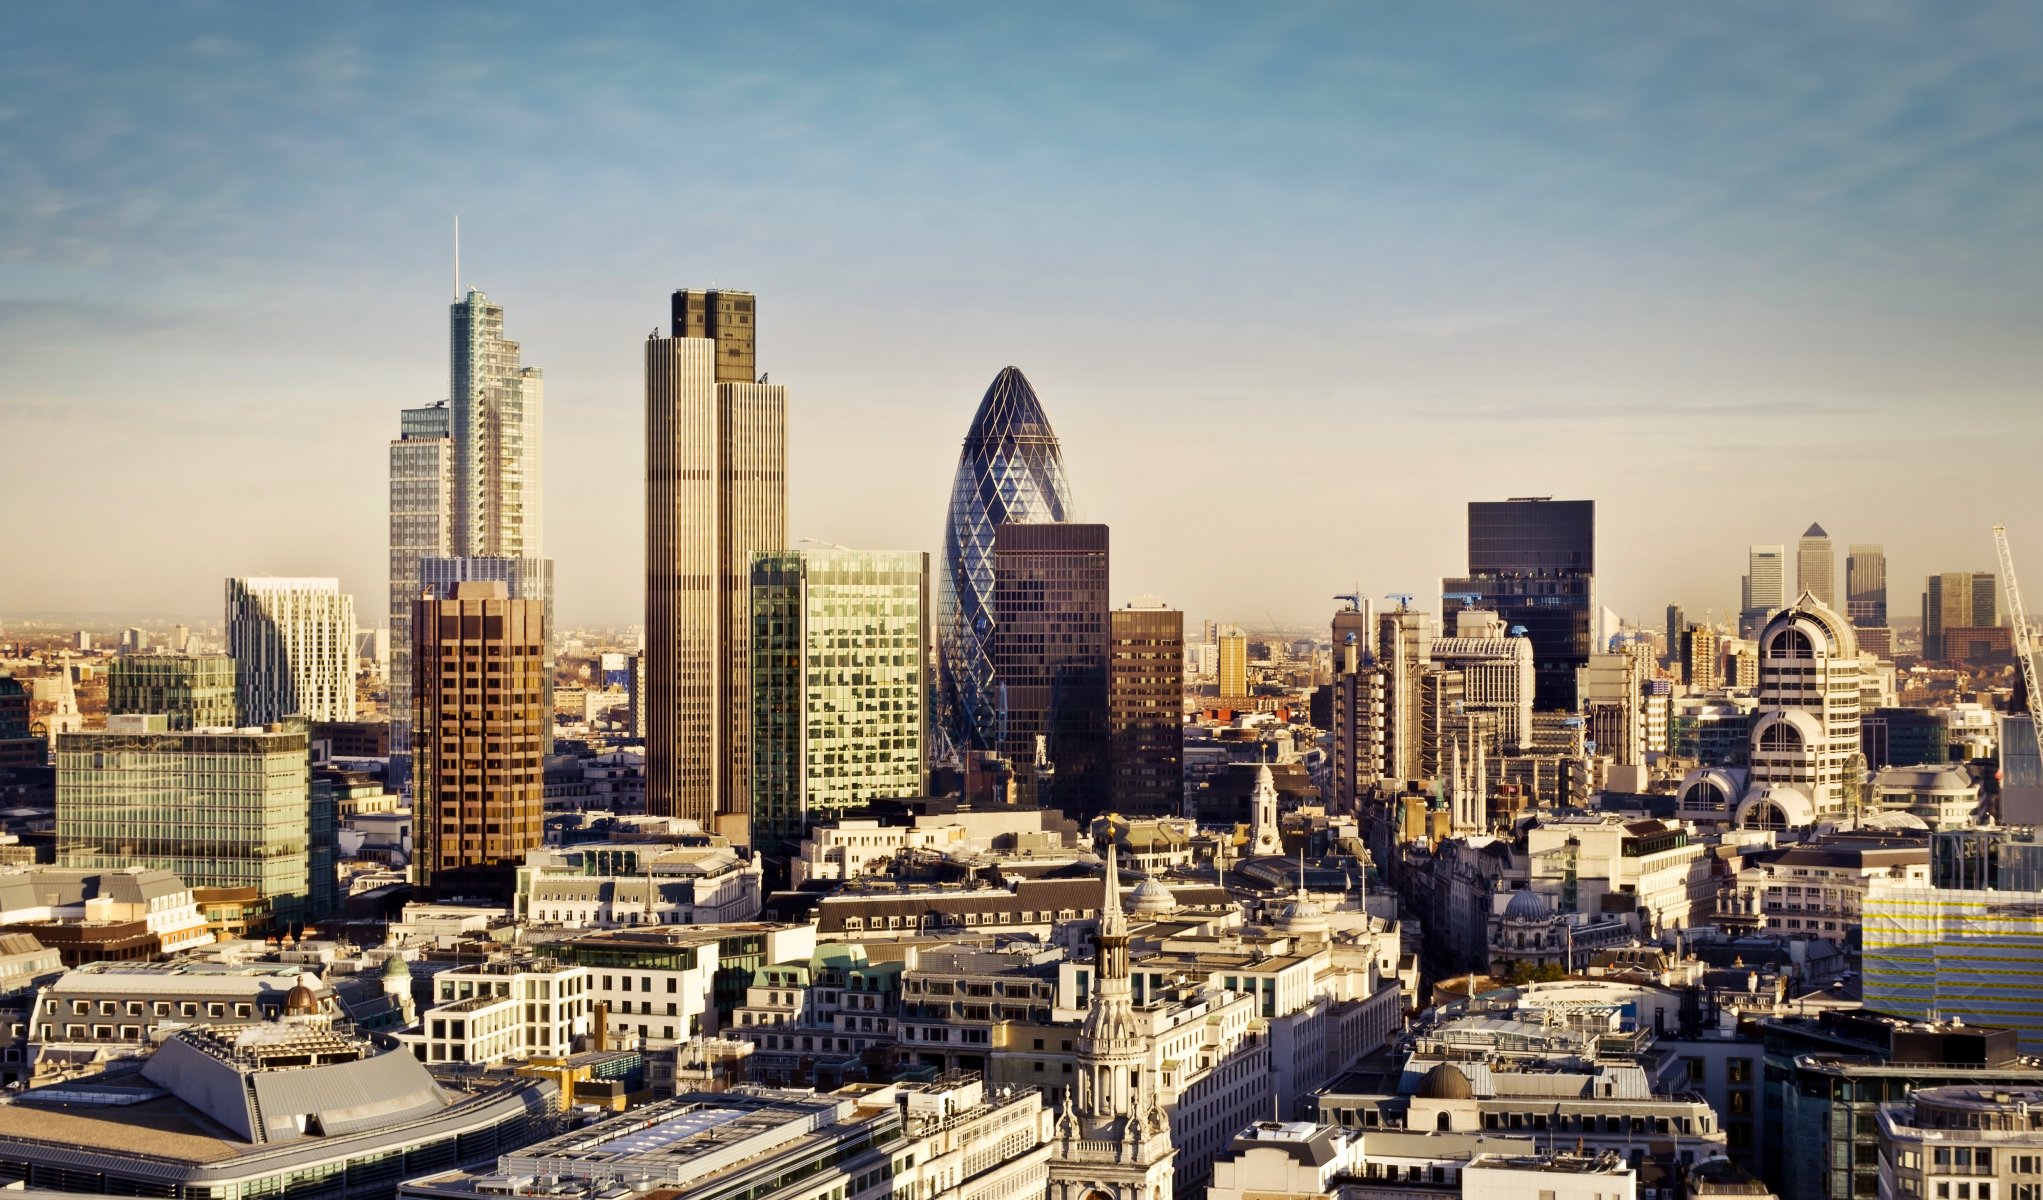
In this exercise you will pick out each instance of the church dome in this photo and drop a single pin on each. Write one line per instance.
(1151, 898)
(300, 1001)
(1528, 906)
(1445, 1082)
(395, 967)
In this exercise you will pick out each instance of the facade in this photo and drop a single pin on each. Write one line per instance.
(1701, 659)
(1532, 561)
(1963, 1143)
(479, 670)
(523, 579)
(1805, 752)
(602, 885)
(1010, 471)
(193, 691)
(421, 526)
(1050, 654)
(220, 808)
(1145, 710)
(293, 645)
(1957, 606)
(1865, 585)
(840, 652)
(1765, 588)
(1816, 566)
(716, 493)
(497, 429)
(1974, 954)
(1497, 674)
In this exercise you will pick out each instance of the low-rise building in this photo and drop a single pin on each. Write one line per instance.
(607, 885)
(1963, 1143)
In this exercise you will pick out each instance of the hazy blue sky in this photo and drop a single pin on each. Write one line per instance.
(1294, 285)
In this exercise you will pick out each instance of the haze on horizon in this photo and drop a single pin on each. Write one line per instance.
(1293, 286)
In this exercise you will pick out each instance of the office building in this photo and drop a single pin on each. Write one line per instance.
(1050, 652)
(220, 808)
(496, 429)
(1532, 561)
(479, 716)
(840, 651)
(523, 579)
(421, 526)
(716, 493)
(1816, 566)
(293, 645)
(1985, 601)
(1765, 587)
(1676, 622)
(1145, 710)
(1010, 471)
(20, 744)
(1498, 674)
(1963, 1143)
(1975, 954)
(1232, 670)
(1865, 585)
(193, 691)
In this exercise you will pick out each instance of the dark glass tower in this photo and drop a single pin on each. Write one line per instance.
(1050, 651)
(1533, 563)
(1145, 710)
(1009, 471)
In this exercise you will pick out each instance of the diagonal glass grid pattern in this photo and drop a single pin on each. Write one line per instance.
(1010, 470)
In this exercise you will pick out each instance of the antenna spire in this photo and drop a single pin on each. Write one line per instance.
(457, 256)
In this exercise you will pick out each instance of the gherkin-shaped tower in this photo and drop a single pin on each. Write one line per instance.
(1010, 470)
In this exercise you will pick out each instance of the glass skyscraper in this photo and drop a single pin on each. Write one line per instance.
(1532, 561)
(840, 645)
(1010, 471)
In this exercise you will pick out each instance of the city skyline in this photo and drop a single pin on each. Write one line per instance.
(1565, 255)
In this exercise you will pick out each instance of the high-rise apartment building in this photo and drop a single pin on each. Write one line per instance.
(1145, 710)
(421, 526)
(1010, 471)
(840, 687)
(1816, 566)
(1865, 585)
(1765, 587)
(496, 428)
(222, 808)
(1700, 656)
(716, 493)
(192, 691)
(1232, 671)
(1532, 561)
(1050, 651)
(479, 712)
(293, 645)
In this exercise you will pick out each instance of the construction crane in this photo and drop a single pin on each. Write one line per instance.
(1354, 600)
(2025, 649)
(1404, 599)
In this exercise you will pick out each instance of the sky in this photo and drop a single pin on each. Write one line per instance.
(1295, 282)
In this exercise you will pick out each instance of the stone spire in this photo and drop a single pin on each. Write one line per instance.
(1263, 836)
(1458, 785)
(1479, 801)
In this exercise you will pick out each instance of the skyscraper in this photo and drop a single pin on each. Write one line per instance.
(840, 688)
(1233, 668)
(1010, 471)
(194, 691)
(523, 579)
(716, 493)
(421, 526)
(1677, 621)
(1532, 561)
(496, 431)
(1865, 586)
(1145, 710)
(1050, 651)
(479, 668)
(1947, 603)
(1765, 590)
(1816, 566)
(220, 808)
(293, 645)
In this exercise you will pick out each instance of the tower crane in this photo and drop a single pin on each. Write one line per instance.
(1404, 599)
(1354, 600)
(2025, 649)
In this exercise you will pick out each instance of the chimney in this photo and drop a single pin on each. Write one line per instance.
(602, 1025)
